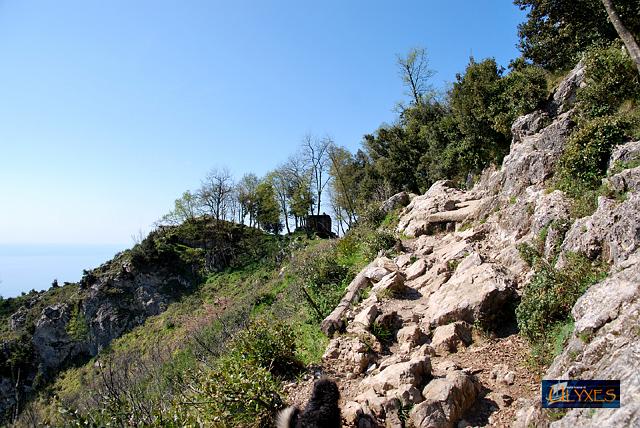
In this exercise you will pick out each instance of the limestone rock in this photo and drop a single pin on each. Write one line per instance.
(625, 181)
(613, 231)
(376, 273)
(393, 283)
(502, 374)
(18, 319)
(412, 335)
(605, 345)
(398, 200)
(51, 340)
(445, 401)
(351, 353)
(416, 269)
(447, 338)
(475, 294)
(413, 372)
(366, 316)
(441, 204)
(624, 153)
(564, 96)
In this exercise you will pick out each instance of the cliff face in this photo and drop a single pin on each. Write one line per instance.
(461, 267)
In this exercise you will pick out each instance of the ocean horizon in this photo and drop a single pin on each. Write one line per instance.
(26, 267)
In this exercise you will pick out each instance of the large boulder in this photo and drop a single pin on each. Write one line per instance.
(478, 293)
(445, 401)
(447, 338)
(52, 341)
(441, 205)
(414, 372)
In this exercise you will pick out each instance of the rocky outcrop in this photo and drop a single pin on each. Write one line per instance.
(612, 232)
(442, 206)
(605, 345)
(461, 268)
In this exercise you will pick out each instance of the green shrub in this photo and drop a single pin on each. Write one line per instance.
(269, 344)
(235, 393)
(611, 78)
(522, 91)
(586, 155)
(551, 294)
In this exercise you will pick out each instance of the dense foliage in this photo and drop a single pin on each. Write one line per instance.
(556, 32)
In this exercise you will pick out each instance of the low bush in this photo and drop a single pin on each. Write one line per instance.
(586, 155)
(269, 344)
(551, 294)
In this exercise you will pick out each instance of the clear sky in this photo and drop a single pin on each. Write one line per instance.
(109, 110)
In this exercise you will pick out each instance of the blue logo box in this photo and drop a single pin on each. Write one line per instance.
(580, 393)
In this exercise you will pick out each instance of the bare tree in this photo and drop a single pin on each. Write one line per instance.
(281, 183)
(317, 155)
(300, 197)
(215, 192)
(626, 36)
(415, 72)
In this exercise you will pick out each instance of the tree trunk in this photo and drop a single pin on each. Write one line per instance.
(626, 36)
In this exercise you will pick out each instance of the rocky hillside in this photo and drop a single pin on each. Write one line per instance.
(428, 337)
(47, 332)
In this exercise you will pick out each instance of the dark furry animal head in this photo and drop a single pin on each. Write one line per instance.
(322, 411)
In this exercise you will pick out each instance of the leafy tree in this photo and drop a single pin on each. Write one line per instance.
(300, 194)
(247, 198)
(473, 99)
(267, 208)
(344, 185)
(415, 73)
(186, 208)
(556, 32)
(281, 183)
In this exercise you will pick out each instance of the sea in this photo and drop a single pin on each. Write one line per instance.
(26, 267)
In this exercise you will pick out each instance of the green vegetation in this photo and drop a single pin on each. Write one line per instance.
(608, 116)
(77, 327)
(556, 32)
(244, 303)
(544, 314)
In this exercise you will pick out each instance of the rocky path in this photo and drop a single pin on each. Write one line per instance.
(426, 338)
(414, 352)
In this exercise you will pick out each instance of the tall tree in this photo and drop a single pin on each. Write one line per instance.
(300, 198)
(344, 185)
(556, 32)
(625, 35)
(186, 208)
(267, 209)
(317, 155)
(215, 192)
(281, 183)
(415, 72)
(246, 193)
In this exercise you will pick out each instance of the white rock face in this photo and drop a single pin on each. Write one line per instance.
(473, 294)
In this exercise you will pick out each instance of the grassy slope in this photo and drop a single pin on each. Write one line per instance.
(195, 329)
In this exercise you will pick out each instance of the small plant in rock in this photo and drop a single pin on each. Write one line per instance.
(381, 332)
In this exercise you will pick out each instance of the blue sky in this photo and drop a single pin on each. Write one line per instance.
(110, 110)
